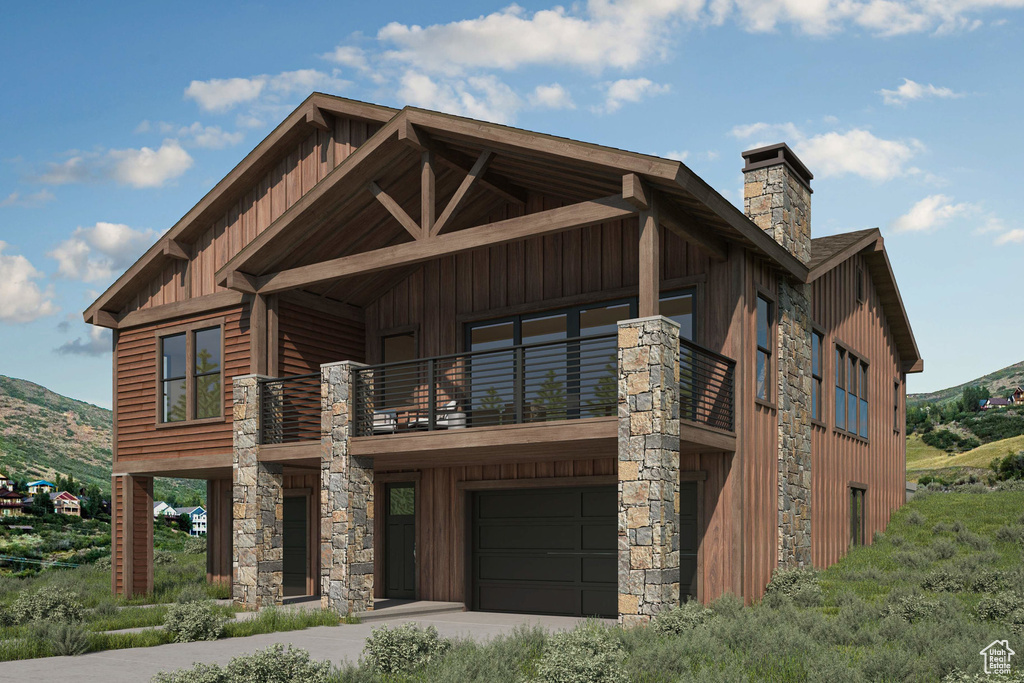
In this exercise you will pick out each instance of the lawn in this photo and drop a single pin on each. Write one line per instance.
(923, 459)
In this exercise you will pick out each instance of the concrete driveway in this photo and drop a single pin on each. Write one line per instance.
(337, 643)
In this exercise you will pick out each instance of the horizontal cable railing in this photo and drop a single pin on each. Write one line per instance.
(560, 380)
(706, 386)
(290, 409)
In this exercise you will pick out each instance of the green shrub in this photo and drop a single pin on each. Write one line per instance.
(999, 607)
(1010, 534)
(942, 528)
(62, 640)
(915, 518)
(944, 579)
(679, 620)
(191, 593)
(973, 540)
(275, 664)
(943, 548)
(985, 581)
(190, 621)
(403, 648)
(1009, 467)
(914, 559)
(912, 608)
(590, 653)
(799, 584)
(47, 604)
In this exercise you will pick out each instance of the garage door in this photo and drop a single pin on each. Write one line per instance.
(545, 551)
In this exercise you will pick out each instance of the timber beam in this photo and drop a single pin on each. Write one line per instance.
(641, 195)
(420, 140)
(537, 224)
(175, 250)
(459, 198)
(396, 210)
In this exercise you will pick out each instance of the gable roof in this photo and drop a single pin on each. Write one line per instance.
(307, 117)
(828, 252)
(40, 482)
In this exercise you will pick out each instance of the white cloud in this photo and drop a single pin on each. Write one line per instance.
(96, 343)
(219, 95)
(678, 155)
(480, 97)
(552, 96)
(28, 201)
(630, 90)
(21, 300)
(1016, 235)
(348, 55)
(196, 135)
(833, 154)
(97, 253)
(911, 90)
(145, 167)
(930, 213)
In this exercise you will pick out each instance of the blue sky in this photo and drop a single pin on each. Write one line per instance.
(117, 119)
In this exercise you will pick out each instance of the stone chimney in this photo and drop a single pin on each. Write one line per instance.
(777, 197)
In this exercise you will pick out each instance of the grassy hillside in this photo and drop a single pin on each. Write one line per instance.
(922, 457)
(43, 433)
(999, 383)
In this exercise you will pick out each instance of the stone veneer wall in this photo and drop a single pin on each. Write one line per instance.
(346, 500)
(780, 204)
(257, 518)
(648, 467)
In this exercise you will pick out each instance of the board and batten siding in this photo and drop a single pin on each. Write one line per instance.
(255, 209)
(137, 433)
(838, 459)
(308, 338)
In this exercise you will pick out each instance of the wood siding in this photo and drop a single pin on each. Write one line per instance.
(879, 462)
(136, 394)
(131, 571)
(308, 338)
(295, 174)
(218, 531)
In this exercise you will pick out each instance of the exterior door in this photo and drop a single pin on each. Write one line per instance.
(400, 541)
(545, 551)
(689, 535)
(296, 535)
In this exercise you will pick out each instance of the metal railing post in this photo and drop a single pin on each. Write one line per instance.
(431, 396)
(519, 380)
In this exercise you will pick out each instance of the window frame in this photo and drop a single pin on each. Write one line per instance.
(897, 393)
(817, 331)
(768, 400)
(189, 330)
(856, 371)
(859, 285)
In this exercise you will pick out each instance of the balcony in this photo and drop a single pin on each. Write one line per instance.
(563, 381)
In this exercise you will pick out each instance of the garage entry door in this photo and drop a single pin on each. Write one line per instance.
(545, 551)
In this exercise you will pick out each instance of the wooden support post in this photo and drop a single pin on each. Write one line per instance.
(258, 335)
(273, 331)
(428, 191)
(132, 535)
(650, 261)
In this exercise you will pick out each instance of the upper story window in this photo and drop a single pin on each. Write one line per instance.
(191, 374)
(860, 285)
(851, 393)
(817, 374)
(765, 324)
(896, 405)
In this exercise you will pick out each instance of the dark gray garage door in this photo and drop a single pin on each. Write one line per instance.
(545, 551)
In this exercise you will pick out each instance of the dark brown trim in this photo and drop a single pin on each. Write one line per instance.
(397, 477)
(188, 329)
(180, 309)
(538, 483)
(693, 475)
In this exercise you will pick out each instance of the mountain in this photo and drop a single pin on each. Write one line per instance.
(999, 383)
(43, 434)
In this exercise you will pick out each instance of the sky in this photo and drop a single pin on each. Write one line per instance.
(117, 119)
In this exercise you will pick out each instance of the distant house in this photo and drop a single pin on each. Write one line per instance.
(11, 504)
(65, 503)
(160, 508)
(197, 515)
(1017, 396)
(996, 403)
(41, 486)
(5, 483)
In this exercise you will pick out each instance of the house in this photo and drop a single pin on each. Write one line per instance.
(162, 508)
(1017, 396)
(996, 403)
(197, 517)
(40, 486)
(11, 504)
(415, 355)
(65, 503)
(5, 483)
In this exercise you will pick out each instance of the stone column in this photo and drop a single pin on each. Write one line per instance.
(257, 507)
(648, 467)
(346, 499)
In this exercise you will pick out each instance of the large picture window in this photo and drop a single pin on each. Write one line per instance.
(190, 374)
(764, 347)
(851, 393)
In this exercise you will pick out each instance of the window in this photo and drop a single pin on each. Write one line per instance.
(817, 378)
(191, 375)
(896, 406)
(851, 393)
(858, 516)
(860, 285)
(764, 354)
